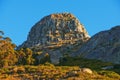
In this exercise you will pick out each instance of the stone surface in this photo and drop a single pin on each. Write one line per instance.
(55, 29)
(56, 33)
(86, 70)
(104, 46)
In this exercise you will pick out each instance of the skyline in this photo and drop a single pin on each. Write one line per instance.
(18, 17)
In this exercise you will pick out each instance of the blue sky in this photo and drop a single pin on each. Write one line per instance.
(18, 16)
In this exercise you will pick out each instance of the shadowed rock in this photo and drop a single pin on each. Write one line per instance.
(104, 46)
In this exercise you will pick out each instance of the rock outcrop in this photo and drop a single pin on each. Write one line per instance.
(56, 33)
(104, 46)
(86, 70)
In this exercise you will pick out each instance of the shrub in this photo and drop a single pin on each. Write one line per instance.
(19, 69)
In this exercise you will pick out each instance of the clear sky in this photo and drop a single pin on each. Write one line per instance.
(18, 16)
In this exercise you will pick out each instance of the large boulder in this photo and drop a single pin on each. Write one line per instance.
(86, 70)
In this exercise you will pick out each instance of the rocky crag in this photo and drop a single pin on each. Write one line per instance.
(56, 34)
(104, 46)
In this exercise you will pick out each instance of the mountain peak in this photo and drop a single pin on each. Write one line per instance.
(56, 28)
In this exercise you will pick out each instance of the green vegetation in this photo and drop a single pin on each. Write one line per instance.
(82, 62)
(95, 65)
(7, 52)
(25, 56)
(49, 71)
(23, 64)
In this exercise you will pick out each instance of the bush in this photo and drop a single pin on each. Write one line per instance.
(20, 69)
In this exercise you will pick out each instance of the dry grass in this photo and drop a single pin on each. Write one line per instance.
(49, 71)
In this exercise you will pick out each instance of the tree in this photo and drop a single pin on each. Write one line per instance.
(29, 57)
(25, 56)
(1, 32)
(7, 52)
(21, 56)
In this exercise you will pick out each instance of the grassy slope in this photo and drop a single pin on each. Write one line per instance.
(49, 71)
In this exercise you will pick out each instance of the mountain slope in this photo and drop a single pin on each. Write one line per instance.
(104, 46)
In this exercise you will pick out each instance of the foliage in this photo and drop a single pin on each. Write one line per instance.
(7, 52)
(48, 71)
(25, 56)
(82, 62)
(45, 59)
(9, 56)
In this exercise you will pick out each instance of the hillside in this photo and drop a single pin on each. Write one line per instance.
(104, 46)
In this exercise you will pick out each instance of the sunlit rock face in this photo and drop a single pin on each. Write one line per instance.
(54, 29)
(56, 33)
(104, 46)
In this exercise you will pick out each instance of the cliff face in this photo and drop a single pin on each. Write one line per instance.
(54, 29)
(61, 31)
(104, 46)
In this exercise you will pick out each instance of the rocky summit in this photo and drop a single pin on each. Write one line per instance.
(104, 46)
(55, 34)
